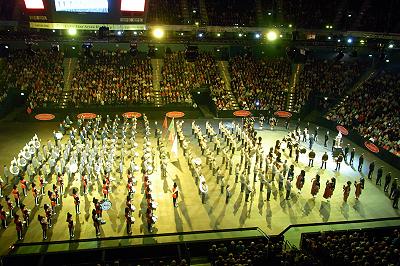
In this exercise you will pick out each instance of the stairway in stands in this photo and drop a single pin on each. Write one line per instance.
(296, 69)
(69, 65)
(157, 65)
(364, 6)
(259, 11)
(224, 70)
(185, 10)
(339, 14)
(203, 11)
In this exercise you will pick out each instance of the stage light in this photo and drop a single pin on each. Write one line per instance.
(258, 36)
(269, 13)
(181, 34)
(290, 25)
(362, 41)
(22, 94)
(200, 35)
(391, 46)
(387, 60)
(196, 23)
(240, 35)
(338, 40)
(280, 36)
(349, 15)
(329, 37)
(73, 47)
(327, 27)
(218, 34)
(135, 33)
(349, 40)
(119, 33)
(72, 31)
(158, 33)
(370, 55)
(272, 36)
(53, 31)
(6, 46)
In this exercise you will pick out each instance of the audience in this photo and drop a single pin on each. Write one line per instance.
(257, 252)
(112, 77)
(368, 247)
(260, 84)
(165, 12)
(325, 78)
(231, 13)
(180, 77)
(373, 110)
(36, 72)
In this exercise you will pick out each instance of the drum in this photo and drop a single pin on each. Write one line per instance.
(105, 204)
(73, 168)
(14, 169)
(135, 168)
(59, 135)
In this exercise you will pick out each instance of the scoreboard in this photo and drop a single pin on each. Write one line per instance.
(86, 11)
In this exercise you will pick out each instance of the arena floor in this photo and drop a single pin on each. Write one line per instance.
(191, 215)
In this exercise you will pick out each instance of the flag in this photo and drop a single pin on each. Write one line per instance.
(171, 130)
(174, 149)
(165, 126)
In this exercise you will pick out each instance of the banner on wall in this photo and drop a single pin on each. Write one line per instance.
(82, 26)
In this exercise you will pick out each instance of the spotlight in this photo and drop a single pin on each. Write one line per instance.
(258, 36)
(119, 33)
(218, 34)
(72, 31)
(387, 60)
(73, 47)
(349, 40)
(329, 37)
(158, 33)
(200, 35)
(370, 55)
(22, 94)
(240, 35)
(338, 40)
(391, 46)
(272, 36)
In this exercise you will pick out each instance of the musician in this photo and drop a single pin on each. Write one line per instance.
(1, 187)
(70, 225)
(129, 220)
(175, 194)
(204, 191)
(18, 226)
(76, 200)
(248, 191)
(16, 195)
(3, 217)
(35, 194)
(23, 183)
(44, 224)
(25, 214)
(6, 173)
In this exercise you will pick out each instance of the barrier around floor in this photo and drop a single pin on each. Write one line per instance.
(129, 248)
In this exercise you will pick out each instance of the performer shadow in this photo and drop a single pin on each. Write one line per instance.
(268, 215)
(178, 223)
(260, 203)
(325, 211)
(344, 209)
(220, 216)
(309, 206)
(237, 203)
(243, 216)
(358, 206)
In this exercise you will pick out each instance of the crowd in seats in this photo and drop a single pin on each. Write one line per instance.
(314, 14)
(257, 252)
(364, 247)
(165, 12)
(194, 10)
(373, 110)
(260, 84)
(180, 77)
(112, 77)
(231, 13)
(325, 78)
(350, 14)
(381, 17)
(37, 72)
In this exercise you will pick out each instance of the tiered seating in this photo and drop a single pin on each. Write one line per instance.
(365, 247)
(112, 78)
(231, 13)
(381, 17)
(312, 14)
(373, 110)
(165, 12)
(179, 77)
(325, 78)
(260, 84)
(40, 73)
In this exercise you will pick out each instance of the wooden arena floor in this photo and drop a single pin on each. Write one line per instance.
(191, 215)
